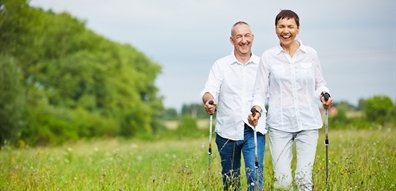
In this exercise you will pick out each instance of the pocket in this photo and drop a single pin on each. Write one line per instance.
(306, 70)
(306, 65)
(278, 71)
(277, 67)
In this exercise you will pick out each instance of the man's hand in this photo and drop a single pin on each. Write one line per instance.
(210, 107)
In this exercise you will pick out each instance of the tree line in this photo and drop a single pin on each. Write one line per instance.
(376, 111)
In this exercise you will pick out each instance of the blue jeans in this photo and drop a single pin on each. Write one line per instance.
(230, 154)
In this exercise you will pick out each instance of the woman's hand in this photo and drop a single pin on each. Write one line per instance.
(254, 116)
(326, 100)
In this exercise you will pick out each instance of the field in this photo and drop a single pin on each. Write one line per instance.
(359, 160)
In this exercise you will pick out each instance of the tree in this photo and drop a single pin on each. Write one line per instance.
(345, 106)
(194, 109)
(378, 109)
(69, 70)
(169, 114)
(11, 99)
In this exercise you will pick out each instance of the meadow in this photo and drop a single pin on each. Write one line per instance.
(358, 160)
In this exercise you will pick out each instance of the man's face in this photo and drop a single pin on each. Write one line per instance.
(287, 30)
(242, 39)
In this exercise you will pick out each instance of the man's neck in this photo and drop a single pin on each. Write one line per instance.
(243, 58)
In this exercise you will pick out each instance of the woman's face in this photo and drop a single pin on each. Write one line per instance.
(287, 30)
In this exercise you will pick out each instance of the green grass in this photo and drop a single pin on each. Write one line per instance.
(359, 160)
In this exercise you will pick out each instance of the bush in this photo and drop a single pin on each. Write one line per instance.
(340, 119)
(91, 124)
(378, 109)
(187, 124)
(46, 125)
(358, 123)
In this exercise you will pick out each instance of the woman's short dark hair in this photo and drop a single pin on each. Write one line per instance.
(288, 14)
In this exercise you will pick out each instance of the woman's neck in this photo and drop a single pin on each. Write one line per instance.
(291, 48)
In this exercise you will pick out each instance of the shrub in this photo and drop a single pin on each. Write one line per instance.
(187, 124)
(378, 109)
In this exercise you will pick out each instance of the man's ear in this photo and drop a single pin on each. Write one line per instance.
(232, 40)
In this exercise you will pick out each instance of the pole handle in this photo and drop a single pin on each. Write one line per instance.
(211, 102)
(254, 111)
(326, 96)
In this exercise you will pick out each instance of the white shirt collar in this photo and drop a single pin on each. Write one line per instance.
(252, 59)
(302, 47)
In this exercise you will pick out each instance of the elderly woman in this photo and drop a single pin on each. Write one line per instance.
(290, 77)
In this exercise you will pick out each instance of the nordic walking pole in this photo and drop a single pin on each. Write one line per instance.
(326, 97)
(210, 141)
(254, 111)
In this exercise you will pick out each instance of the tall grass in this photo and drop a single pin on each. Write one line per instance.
(359, 160)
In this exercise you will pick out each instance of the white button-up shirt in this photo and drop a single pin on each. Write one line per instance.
(293, 86)
(231, 84)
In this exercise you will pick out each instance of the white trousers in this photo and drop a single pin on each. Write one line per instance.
(281, 151)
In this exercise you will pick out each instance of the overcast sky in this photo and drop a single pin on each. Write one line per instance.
(355, 39)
